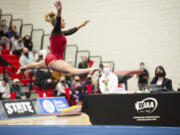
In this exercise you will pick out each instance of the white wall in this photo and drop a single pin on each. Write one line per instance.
(125, 31)
(19, 9)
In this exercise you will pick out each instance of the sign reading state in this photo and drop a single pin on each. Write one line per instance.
(18, 108)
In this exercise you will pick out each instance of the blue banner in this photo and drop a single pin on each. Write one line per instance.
(53, 105)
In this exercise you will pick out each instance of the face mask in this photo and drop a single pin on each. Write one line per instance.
(106, 70)
(160, 74)
(77, 81)
(141, 66)
(26, 54)
(62, 81)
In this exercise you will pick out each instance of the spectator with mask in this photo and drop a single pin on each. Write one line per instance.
(3, 38)
(44, 52)
(143, 77)
(4, 27)
(83, 64)
(4, 89)
(27, 42)
(25, 59)
(108, 81)
(17, 46)
(40, 56)
(44, 79)
(88, 81)
(12, 33)
(16, 87)
(61, 86)
(160, 79)
(77, 90)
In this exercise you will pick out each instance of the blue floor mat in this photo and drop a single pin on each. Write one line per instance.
(88, 130)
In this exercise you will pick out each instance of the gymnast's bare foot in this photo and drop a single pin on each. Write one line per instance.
(93, 70)
(20, 70)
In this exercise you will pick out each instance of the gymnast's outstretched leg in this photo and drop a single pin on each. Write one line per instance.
(32, 65)
(62, 66)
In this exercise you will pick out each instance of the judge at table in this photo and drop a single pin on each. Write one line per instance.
(108, 81)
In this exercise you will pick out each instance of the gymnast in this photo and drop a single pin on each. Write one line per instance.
(54, 59)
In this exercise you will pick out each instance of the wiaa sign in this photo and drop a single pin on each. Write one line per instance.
(18, 108)
(147, 105)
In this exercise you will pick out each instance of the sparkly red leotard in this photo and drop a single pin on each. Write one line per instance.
(58, 42)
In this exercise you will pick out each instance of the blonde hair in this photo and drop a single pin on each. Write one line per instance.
(51, 17)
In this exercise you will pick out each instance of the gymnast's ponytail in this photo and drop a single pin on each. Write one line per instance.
(51, 17)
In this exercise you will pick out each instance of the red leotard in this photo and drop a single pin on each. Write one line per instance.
(58, 42)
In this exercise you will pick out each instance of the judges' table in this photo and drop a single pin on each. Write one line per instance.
(162, 109)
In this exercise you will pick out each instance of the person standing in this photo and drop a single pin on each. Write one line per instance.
(143, 77)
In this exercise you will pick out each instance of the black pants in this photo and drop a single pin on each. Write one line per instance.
(17, 52)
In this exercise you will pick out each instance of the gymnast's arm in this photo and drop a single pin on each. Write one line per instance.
(75, 29)
(57, 28)
(70, 31)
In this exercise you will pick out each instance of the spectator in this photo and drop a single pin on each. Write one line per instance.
(160, 79)
(4, 89)
(12, 33)
(82, 65)
(40, 56)
(61, 86)
(69, 77)
(25, 59)
(108, 81)
(16, 87)
(77, 89)
(44, 79)
(143, 77)
(88, 81)
(17, 46)
(44, 52)
(27, 42)
(4, 27)
(3, 38)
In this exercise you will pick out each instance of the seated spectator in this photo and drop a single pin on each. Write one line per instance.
(69, 77)
(12, 33)
(88, 81)
(17, 46)
(44, 52)
(160, 79)
(25, 59)
(5, 27)
(4, 89)
(61, 86)
(77, 90)
(108, 81)
(83, 64)
(40, 56)
(27, 42)
(3, 38)
(44, 79)
(16, 87)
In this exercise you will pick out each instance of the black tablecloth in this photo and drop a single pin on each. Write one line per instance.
(161, 109)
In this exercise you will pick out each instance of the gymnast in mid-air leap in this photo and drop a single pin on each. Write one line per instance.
(54, 59)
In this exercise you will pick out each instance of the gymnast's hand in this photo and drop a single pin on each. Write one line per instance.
(58, 5)
(83, 24)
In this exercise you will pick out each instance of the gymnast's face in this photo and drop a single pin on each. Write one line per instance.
(63, 23)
